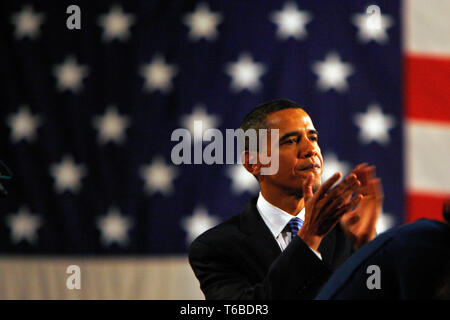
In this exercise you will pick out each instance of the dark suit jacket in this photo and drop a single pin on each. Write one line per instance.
(240, 259)
(414, 262)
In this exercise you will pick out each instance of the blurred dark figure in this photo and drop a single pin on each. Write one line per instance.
(407, 262)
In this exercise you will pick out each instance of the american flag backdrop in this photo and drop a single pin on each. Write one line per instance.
(87, 114)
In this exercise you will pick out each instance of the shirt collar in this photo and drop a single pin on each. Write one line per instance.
(275, 218)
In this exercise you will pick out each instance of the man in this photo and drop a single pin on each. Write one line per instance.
(260, 253)
(407, 262)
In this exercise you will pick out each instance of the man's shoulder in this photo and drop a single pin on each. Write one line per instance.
(222, 231)
(228, 233)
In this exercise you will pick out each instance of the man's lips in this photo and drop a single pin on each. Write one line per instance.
(312, 166)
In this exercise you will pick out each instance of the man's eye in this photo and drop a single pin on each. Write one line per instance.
(314, 138)
(291, 141)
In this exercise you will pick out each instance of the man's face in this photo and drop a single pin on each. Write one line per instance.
(299, 152)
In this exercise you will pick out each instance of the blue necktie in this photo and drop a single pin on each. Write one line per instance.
(295, 224)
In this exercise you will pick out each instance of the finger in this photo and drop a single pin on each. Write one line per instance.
(376, 189)
(327, 185)
(373, 204)
(344, 188)
(365, 175)
(352, 204)
(359, 167)
(338, 200)
(345, 213)
(307, 187)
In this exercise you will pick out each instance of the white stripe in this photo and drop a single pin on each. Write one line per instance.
(118, 278)
(427, 26)
(427, 149)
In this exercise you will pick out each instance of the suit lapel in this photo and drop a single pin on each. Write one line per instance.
(259, 237)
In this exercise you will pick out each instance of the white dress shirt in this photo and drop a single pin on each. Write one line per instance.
(276, 220)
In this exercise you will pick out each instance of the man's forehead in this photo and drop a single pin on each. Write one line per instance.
(288, 119)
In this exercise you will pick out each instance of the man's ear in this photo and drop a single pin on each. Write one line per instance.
(251, 162)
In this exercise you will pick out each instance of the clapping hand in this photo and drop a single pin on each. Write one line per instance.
(360, 223)
(324, 208)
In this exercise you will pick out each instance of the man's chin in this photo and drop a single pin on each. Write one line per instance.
(316, 183)
(298, 191)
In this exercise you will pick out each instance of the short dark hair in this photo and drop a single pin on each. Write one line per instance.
(256, 118)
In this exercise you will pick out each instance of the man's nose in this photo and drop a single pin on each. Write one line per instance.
(307, 149)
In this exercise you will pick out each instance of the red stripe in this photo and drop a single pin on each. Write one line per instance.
(424, 206)
(427, 88)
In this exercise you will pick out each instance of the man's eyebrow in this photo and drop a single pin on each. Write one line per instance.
(296, 133)
(292, 133)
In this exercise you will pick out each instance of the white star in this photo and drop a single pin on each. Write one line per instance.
(245, 73)
(23, 125)
(202, 23)
(114, 227)
(331, 165)
(199, 121)
(111, 126)
(158, 74)
(385, 222)
(199, 222)
(116, 24)
(374, 125)
(158, 176)
(24, 226)
(332, 73)
(70, 74)
(372, 27)
(242, 180)
(67, 175)
(290, 21)
(27, 23)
